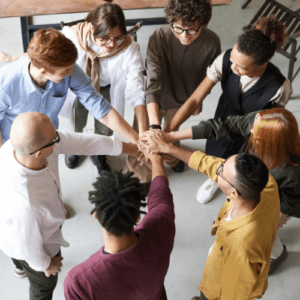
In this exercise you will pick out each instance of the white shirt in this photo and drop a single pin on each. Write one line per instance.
(124, 72)
(31, 203)
(214, 73)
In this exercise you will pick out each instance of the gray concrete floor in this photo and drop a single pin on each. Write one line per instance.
(193, 220)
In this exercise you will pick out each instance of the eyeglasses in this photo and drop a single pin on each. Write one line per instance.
(56, 140)
(189, 31)
(219, 171)
(106, 40)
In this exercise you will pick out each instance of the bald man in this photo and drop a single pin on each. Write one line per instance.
(32, 212)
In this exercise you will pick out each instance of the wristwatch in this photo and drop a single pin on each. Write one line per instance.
(155, 126)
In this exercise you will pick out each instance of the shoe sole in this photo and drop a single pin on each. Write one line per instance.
(68, 165)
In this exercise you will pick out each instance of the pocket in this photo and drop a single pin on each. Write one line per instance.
(54, 105)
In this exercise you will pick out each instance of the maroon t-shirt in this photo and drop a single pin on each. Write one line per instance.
(137, 273)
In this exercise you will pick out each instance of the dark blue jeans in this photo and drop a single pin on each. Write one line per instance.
(41, 286)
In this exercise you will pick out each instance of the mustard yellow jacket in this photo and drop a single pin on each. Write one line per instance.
(238, 265)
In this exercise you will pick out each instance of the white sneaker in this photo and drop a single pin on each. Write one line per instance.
(206, 191)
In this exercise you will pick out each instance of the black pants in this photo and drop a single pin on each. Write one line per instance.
(41, 286)
(202, 297)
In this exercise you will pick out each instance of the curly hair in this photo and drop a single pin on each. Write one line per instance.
(50, 49)
(189, 12)
(263, 39)
(105, 17)
(117, 201)
(252, 175)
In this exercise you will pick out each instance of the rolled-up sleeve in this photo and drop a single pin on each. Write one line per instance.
(81, 85)
(153, 64)
(214, 72)
(134, 91)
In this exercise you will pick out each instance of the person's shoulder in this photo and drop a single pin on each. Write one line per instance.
(162, 33)
(211, 37)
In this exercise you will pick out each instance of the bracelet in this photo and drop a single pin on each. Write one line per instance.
(155, 126)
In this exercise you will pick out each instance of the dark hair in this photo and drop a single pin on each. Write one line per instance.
(117, 201)
(50, 49)
(105, 17)
(263, 39)
(193, 12)
(252, 175)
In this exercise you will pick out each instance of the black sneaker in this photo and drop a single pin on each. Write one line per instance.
(179, 168)
(71, 161)
(101, 163)
(275, 263)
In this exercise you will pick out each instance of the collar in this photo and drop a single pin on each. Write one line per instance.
(233, 224)
(30, 87)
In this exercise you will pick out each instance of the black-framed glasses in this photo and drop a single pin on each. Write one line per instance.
(107, 40)
(189, 31)
(220, 171)
(56, 140)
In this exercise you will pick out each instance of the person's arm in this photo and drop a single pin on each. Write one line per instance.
(153, 80)
(114, 121)
(141, 117)
(282, 96)
(55, 266)
(9, 58)
(157, 166)
(80, 85)
(134, 90)
(153, 113)
(189, 107)
(130, 149)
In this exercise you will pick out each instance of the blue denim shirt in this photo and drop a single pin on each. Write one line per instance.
(18, 94)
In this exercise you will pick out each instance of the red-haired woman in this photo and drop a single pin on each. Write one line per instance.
(273, 136)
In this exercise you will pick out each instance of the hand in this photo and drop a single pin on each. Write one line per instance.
(282, 219)
(198, 110)
(5, 57)
(154, 141)
(167, 136)
(142, 158)
(55, 266)
(167, 158)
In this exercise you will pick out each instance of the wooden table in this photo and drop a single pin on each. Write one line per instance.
(29, 8)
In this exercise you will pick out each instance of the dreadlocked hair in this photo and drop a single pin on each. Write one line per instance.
(117, 200)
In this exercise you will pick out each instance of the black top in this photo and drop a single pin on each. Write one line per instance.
(231, 103)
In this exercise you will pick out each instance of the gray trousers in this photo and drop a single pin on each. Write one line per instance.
(81, 116)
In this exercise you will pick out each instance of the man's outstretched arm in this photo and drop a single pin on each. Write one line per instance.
(190, 106)
(114, 121)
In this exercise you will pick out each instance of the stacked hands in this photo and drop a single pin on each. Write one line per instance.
(154, 141)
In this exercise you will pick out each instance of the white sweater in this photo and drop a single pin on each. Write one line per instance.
(31, 202)
(124, 72)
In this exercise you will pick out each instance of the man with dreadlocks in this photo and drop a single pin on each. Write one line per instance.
(133, 263)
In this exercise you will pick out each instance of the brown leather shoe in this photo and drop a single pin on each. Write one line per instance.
(196, 298)
(275, 263)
